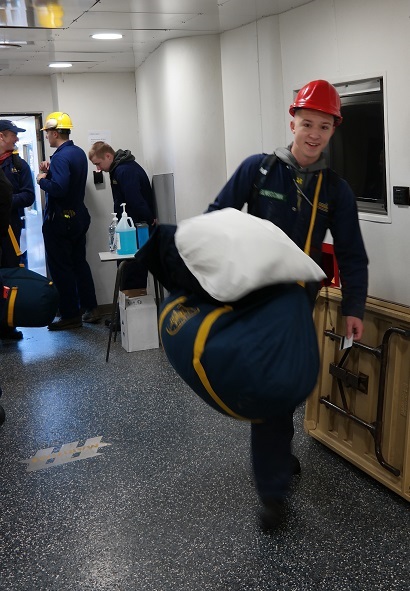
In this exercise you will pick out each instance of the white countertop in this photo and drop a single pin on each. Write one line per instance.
(113, 256)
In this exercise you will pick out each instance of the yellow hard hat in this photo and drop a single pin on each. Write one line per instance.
(57, 120)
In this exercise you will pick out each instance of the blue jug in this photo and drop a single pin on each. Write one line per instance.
(126, 234)
(142, 234)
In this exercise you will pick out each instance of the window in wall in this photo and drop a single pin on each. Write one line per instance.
(357, 149)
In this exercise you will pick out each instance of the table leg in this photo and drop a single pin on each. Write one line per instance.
(114, 313)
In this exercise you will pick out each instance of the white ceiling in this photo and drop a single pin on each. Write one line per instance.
(60, 30)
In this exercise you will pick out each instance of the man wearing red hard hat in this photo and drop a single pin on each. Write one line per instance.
(295, 189)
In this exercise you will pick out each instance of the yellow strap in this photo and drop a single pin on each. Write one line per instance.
(199, 347)
(10, 306)
(314, 211)
(306, 250)
(14, 242)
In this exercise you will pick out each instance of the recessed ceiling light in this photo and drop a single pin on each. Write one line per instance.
(60, 65)
(107, 36)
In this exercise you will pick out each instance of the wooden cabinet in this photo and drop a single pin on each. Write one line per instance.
(359, 407)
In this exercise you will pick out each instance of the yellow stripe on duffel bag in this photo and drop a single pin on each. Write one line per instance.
(10, 305)
(199, 346)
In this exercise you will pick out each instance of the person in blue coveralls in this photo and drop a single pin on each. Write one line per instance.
(66, 221)
(6, 199)
(299, 189)
(19, 174)
(130, 185)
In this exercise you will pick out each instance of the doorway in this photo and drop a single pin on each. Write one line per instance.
(31, 148)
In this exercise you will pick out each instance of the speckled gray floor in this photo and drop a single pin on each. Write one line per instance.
(168, 504)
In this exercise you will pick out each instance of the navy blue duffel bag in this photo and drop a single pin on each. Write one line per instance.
(249, 360)
(32, 299)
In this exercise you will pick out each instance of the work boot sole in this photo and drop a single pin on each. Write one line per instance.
(65, 325)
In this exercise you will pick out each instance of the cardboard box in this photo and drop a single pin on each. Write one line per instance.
(127, 294)
(139, 326)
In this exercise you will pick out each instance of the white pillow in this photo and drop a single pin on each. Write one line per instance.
(232, 253)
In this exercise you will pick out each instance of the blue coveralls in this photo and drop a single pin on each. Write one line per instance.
(130, 185)
(66, 221)
(23, 196)
(279, 203)
(6, 196)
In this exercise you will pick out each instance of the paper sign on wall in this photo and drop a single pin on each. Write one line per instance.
(99, 136)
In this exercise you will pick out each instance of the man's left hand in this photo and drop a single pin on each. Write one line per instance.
(41, 176)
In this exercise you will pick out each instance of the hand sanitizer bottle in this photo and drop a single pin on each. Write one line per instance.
(126, 234)
(112, 237)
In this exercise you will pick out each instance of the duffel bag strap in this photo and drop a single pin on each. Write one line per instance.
(14, 242)
(10, 305)
(199, 346)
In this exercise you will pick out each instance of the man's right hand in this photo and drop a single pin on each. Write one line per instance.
(44, 166)
(354, 328)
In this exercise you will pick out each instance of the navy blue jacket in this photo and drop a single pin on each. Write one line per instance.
(65, 182)
(337, 211)
(6, 196)
(23, 189)
(130, 185)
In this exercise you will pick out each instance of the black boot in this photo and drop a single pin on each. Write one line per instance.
(10, 333)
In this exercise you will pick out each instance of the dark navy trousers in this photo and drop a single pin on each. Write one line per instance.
(271, 446)
(65, 245)
(271, 456)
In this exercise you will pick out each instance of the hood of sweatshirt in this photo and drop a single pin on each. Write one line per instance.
(121, 156)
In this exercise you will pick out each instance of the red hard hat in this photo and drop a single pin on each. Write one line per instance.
(318, 95)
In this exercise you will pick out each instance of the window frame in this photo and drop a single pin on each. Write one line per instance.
(362, 92)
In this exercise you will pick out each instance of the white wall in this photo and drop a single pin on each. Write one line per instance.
(346, 39)
(252, 90)
(180, 112)
(26, 94)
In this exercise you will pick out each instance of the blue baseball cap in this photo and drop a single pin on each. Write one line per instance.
(5, 125)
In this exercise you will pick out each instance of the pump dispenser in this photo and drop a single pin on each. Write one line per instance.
(112, 237)
(126, 234)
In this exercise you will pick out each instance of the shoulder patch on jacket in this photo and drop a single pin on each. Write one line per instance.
(17, 164)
